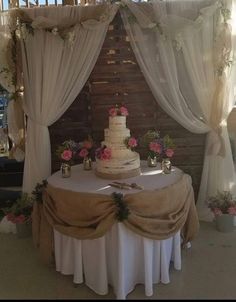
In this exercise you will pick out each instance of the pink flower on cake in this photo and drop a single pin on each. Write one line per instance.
(66, 155)
(103, 153)
(83, 152)
(130, 142)
(113, 112)
(169, 152)
(124, 111)
(118, 110)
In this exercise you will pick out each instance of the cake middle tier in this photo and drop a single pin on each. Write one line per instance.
(116, 136)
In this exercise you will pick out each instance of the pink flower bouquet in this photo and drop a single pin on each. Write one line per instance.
(103, 153)
(118, 110)
(67, 150)
(85, 147)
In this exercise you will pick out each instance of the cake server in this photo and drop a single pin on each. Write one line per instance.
(133, 185)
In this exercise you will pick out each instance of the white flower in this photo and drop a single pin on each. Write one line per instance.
(24, 31)
(152, 25)
(54, 31)
(71, 37)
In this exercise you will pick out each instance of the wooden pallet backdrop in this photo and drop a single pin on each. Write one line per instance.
(117, 78)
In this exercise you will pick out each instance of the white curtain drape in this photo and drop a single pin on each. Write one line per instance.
(55, 71)
(180, 47)
(14, 114)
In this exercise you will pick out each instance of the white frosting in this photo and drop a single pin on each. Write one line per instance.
(123, 160)
(118, 165)
(117, 122)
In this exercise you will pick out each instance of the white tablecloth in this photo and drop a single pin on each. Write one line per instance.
(121, 258)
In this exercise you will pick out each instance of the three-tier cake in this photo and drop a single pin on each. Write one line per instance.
(122, 162)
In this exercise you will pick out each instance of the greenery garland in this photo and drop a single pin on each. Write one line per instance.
(122, 209)
(38, 191)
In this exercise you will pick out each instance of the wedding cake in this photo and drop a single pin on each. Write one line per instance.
(115, 159)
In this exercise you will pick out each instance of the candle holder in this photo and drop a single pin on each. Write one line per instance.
(152, 162)
(166, 166)
(87, 162)
(65, 170)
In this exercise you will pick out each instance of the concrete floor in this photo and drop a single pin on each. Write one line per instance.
(208, 272)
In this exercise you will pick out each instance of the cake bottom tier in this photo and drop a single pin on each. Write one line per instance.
(117, 168)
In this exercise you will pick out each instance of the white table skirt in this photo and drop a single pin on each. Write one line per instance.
(121, 258)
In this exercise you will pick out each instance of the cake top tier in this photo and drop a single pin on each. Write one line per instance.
(117, 123)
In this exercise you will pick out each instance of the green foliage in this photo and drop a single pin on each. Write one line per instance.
(38, 191)
(122, 209)
(148, 137)
(168, 142)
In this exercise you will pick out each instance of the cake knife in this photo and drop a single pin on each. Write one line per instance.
(120, 186)
(133, 185)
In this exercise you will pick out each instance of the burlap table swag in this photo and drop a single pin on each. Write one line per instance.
(122, 209)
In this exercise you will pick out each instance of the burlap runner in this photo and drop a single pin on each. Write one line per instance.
(156, 214)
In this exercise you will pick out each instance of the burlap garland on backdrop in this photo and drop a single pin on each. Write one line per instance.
(156, 214)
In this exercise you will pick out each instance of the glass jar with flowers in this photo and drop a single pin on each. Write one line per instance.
(20, 214)
(151, 141)
(66, 153)
(85, 150)
(223, 207)
(167, 153)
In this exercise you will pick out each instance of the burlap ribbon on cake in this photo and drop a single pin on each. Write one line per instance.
(156, 214)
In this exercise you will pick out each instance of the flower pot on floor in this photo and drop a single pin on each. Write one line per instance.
(225, 223)
(23, 230)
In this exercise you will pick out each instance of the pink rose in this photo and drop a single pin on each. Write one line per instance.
(154, 146)
(132, 142)
(87, 144)
(113, 112)
(217, 211)
(83, 152)
(66, 155)
(124, 111)
(11, 217)
(107, 153)
(20, 219)
(169, 152)
(232, 210)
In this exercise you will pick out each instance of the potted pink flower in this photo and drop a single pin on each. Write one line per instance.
(20, 214)
(223, 207)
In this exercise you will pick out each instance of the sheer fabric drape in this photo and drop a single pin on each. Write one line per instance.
(178, 47)
(54, 73)
(15, 115)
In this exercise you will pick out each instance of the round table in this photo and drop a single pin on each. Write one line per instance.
(86, 181)
(121, 258)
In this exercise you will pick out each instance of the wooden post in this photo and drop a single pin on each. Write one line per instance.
(68, 2)
(13, 3)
